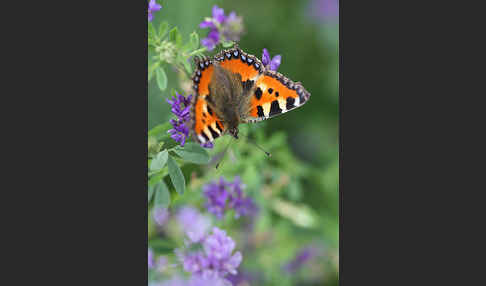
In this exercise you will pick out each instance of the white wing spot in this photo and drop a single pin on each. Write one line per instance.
(283, 105)
(266, 109)
(215, 128)
(297, 101)
(201, 138)
(208, 133)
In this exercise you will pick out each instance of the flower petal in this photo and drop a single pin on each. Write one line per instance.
(218, 14)
(208, 43)
(265, 57)
(275, 63)
(207, 24)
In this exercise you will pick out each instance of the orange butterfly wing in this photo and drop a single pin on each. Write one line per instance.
(239, 62)
(275, 94)
(206, 125)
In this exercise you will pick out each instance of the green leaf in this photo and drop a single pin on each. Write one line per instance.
(159, 161)
(163, 28)
(300, 214)
(200, 52)
(176, 176)
(161, 78)
(162, 195)
(150, 192)
(187, 66)
(153, 147)
(228, 44)
(181, 59)
(155, 179)
(294, 191)
(175, 37)
(151, 31)
(194, 40)
(193, 153)
(151, 70)
(151, 41)
(160, 130)
(163, 246)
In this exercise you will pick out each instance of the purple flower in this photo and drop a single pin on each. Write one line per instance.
(218, 14)
(273, 63)
(211, 40)
(193, 223)
(303, 256)
(216, 259)
(196, 280)
(218, 248)
(222, 28)
(207, 24)
(181, 107)
(199, 280)
(326, 11)
(151, 262)
(232, 28)
(193, 262)
(224, 195)
(160, 215)
(152, 7)
(208, 144)
(181, 130)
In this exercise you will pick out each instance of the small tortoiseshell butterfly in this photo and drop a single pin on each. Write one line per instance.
(234, 87)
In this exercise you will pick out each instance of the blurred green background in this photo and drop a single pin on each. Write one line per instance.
(303, 142)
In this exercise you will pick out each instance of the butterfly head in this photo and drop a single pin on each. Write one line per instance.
(233, 132)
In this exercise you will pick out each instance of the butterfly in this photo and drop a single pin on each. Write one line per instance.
(234, 87)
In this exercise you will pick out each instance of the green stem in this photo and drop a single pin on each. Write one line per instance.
(197, 51)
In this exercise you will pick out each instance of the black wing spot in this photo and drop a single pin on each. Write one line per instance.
(260, 111)
(258, 93)
(205, 136)
(210, 111)
(203, 121)
(218, 125)
(275, 108)
(276, 94)
(290, 103)
(213, 133)
(204, 114)
(270, 90)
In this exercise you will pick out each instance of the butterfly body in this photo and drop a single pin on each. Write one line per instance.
(228, 96)
(233, 88)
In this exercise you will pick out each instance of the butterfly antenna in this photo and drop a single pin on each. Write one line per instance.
(224, 153)
(256, 145)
